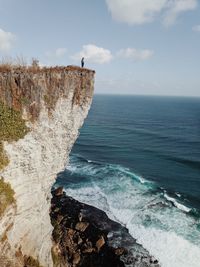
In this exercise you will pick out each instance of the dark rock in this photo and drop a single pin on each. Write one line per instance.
(100, 243)
(58, 191)
(81, 226)
(76, 258)
(120, 251)
(84, 236)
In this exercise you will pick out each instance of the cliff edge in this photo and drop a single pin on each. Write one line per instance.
(41, 112)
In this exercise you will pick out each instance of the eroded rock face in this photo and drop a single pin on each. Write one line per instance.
(85, 237)
(54, 103)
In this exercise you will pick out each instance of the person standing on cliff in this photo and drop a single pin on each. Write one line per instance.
(82, 62)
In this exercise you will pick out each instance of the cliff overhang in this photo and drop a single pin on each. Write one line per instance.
(41, 112)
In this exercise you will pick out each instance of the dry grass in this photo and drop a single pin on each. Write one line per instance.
(19, 63)
(9, 63)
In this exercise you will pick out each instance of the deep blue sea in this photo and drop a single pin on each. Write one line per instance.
(138, 159)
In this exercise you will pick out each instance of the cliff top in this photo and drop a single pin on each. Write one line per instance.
(25, 87)
(4, 68)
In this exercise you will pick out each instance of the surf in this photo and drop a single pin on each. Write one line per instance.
(159, 222)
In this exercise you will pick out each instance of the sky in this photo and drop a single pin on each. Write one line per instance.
(144, 47)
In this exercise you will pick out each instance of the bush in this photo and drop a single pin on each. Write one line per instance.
(12, 128)
(6, 196)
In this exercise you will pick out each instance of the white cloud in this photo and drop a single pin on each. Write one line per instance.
(58, 53)
(6, 40)
(134, 11)
(135, 54)
(176, 7)
(196, 28)
(144, 11)
(94, 54)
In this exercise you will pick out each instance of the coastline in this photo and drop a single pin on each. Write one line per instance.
(84, 236)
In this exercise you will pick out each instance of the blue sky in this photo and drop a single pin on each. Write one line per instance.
(135, 46)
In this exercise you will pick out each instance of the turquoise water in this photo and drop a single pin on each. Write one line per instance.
(138, 159)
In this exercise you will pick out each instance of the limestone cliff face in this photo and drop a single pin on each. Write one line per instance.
(53, 103)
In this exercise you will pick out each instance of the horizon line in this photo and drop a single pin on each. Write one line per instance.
(148, 95)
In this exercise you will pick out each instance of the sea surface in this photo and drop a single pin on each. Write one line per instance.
(138, 159)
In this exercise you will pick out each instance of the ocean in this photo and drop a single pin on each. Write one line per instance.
(138, 159)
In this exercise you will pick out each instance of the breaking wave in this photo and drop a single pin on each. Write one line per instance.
(160, 221)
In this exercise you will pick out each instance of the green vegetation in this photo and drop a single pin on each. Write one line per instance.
(6, 195)
(3, 158)
(25, 101)
(31, 262)
(12, 128)
(48, 101)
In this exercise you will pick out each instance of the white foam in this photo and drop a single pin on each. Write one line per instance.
(170, 249)
(178, 195)
(91, 195)
(169, 234)
(71, 168)
(177, 204)
(142, 180)
(137, 177)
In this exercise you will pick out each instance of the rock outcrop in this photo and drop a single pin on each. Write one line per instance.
(84, 236)
(42, 110)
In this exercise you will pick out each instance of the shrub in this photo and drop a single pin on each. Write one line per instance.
(6, 195)
(12, 128)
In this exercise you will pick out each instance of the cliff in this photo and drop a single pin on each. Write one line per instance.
(41, 112)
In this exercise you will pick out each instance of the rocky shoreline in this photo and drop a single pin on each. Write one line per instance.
(84, 236)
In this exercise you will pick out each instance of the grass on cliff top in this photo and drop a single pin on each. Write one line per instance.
(12, 128)
(20, 63)
(6, 196)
